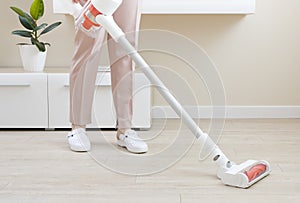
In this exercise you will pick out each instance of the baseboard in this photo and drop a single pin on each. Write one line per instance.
(237, 112)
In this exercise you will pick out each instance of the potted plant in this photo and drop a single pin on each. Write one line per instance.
(33, 54)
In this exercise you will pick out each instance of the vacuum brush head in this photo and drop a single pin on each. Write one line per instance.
(246, 174)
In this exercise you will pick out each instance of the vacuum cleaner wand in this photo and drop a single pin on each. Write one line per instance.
(243, 175)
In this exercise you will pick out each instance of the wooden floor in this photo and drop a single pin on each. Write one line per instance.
(37, 166)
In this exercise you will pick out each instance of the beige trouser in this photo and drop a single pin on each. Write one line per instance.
(85, 64)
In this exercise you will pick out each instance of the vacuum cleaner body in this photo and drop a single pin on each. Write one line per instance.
(243, 175)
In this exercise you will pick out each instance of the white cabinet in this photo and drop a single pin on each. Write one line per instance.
(103, 113)
(23, 100)
(41, 100)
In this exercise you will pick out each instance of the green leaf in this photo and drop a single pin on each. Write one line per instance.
(19, 11)
(50, 27)
(23, 43)
(26, 23)
(34, 41)
(40, 27)
(41, 46)
(37, 9)
(38, 44)
(22, 33)
(30, 19)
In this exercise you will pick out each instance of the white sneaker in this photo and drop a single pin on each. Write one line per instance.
(78, 140)
(132, 142)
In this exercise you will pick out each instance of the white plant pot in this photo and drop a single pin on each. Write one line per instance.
(32, 58)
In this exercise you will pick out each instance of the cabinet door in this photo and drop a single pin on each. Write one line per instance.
(58, 91)
(103, 107)
(103, 115)
(23, 102)
(141, 102)
(103, 111)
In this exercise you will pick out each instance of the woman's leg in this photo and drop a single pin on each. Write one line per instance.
(83, 74)
(127, 17)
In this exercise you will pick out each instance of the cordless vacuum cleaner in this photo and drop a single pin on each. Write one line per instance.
(243, 175)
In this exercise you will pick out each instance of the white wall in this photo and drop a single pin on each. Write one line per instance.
(257, 55)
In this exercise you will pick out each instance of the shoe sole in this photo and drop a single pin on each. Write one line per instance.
(79, 150)
(130, 150)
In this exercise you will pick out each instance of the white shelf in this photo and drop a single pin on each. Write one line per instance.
(198, 6)
(178, 6)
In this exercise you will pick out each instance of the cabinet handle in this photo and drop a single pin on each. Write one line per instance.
(15, 84)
